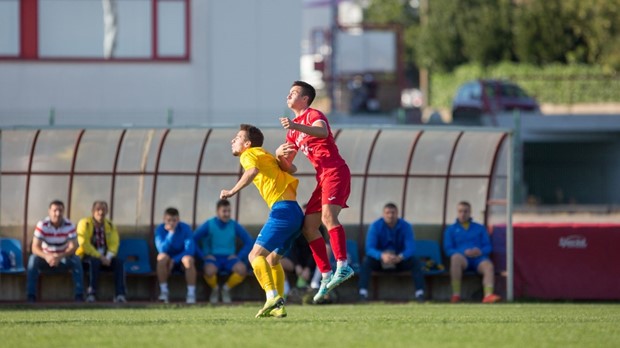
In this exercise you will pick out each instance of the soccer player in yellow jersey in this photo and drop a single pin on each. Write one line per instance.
(279, 190)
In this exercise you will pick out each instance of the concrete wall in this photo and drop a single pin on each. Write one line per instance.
(244, 56)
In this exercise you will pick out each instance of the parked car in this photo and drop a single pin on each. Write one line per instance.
(489, 97)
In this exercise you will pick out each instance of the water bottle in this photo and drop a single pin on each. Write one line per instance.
(12, 260)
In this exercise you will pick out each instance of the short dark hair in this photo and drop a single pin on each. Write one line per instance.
(255, 136)
(222, 203)
(390, 205)
(465, 203)
(57, 202)
(306, 90)
(171, 211)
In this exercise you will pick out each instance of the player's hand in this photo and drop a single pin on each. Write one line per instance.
(105, 261)
(280, 150)
(285, 150)
(387, 258)
(470, 253)
(475, 252)
(287, 123)
(54, 261)
(224, 194)
(50, 259)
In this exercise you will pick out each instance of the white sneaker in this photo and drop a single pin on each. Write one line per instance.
(120, 299)
(226, 296)
(215, 296)
(191, 299)
(91, 298)
(163, 297)
(320, 294)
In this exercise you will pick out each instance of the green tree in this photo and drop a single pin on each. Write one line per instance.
(485, 30)
(440, 45)
(541, 32)
(595, 26)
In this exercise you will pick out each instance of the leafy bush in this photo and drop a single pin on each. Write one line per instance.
(554, 83)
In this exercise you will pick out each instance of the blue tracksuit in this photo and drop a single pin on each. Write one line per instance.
(218, 238)
(177, 244)
(457, 239)
(381, 238)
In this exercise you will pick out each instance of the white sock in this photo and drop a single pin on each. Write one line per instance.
(316, 279)
(163, 287)
(271, 294)
(225, 287)
(419, 293)
(326, 275)
(363, 292)
(191, 290)
(342, 263)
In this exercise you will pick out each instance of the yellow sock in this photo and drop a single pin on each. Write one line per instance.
(456, 287)
(277, 272)
(211, 281)
(263, 273)
(488, 290)
(234, 280)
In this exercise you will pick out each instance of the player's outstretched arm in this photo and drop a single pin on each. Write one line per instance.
(318, 128)
(244, 181)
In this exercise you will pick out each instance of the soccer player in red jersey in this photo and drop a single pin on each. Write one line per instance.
(310, 133)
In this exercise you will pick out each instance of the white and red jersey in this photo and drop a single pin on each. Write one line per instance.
(55, 240)
(321, 152)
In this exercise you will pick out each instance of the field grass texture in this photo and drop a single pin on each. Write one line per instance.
(369, 325)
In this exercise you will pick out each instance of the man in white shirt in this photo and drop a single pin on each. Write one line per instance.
(53, 250)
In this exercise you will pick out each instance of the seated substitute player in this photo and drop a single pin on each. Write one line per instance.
(467, 245)
(215, 244)
(174, 241)
(99, 242)
(390, 247)
(53, 250)
(279, 190)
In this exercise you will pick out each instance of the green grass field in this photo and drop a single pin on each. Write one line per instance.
(372, 325)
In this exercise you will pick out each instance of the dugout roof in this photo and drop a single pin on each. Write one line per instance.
(425, 171)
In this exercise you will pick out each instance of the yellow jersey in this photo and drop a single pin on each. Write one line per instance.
(272, 183)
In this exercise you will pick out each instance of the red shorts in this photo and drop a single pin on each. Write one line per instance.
(333, 187)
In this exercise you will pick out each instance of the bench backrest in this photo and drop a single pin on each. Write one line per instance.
(135, 253)
(12, 246)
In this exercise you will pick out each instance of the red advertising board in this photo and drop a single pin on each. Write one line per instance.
(567, 261)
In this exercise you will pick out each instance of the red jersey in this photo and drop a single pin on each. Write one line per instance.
(321, 152)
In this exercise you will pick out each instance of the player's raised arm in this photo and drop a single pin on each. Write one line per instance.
(244, 181)
(318, 129)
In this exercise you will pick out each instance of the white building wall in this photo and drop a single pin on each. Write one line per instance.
(244, 56)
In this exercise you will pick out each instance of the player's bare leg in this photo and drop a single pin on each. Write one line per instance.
(316, 242)
(164, 267)
(338, 242)
(488, 280)
(458, 263)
